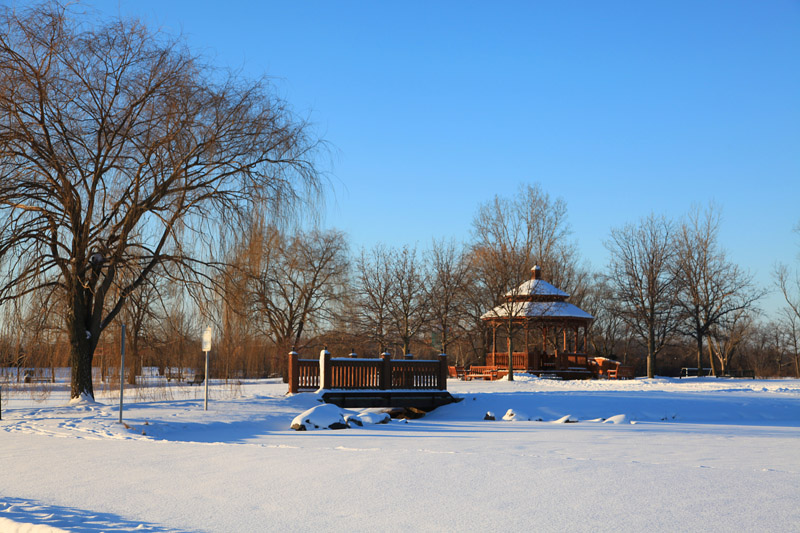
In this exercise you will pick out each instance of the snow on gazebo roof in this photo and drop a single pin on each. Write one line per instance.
(553, 310)
(536, 287)
(537, 298)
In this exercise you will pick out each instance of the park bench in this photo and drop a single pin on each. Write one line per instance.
(173, 374)
(692, 371)
(490, 373)
(198, 379)
(480, 372)
(739, 374)
(456, 372)
(620, 372)
(548, 375)
(30, 377)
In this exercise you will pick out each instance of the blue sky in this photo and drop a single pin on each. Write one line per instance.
(620, 108)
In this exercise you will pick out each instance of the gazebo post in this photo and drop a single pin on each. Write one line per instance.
(544, 345)
(584, 339)
(526, 362)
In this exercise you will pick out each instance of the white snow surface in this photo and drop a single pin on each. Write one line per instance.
(698, 454)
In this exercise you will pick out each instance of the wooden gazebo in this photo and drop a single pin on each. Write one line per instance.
(549, 333)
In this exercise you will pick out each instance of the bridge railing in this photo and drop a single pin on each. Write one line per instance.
(384, 373)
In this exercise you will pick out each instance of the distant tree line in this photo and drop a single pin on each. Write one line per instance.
(668, 299)
(140, 185)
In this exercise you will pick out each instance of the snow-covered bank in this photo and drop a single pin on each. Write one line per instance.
(711, 455)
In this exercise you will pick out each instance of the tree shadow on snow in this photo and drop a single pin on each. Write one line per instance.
(24, 511)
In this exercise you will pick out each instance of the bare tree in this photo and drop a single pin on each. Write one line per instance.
(725, 339)
(711, 287)
(512, 235)
(764, 348)
(789, 325)
(643, 276)
(140, 315)
(408, 307)
(374, 289)
(177, 345)
(451, 277)
(298, 278)
(121, 150)
(609, 333)
(789, 284)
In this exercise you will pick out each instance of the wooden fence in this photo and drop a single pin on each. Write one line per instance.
(366, 374)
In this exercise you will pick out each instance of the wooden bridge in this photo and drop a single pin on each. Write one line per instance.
(369, 382)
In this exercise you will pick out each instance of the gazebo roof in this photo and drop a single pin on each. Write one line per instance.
(552, 310)
(536, 287)
(538, 299)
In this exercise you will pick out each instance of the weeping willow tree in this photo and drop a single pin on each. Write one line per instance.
(123, 155)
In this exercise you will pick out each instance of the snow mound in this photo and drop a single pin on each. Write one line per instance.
(617, 419)
(330, 416)
(83, 401)
(325, 416)
(514, 416)
(566, 419)
(369, 417)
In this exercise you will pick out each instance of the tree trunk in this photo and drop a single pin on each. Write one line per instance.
(510, 350)
(651, 356)
(699, 339)
(711, 360)
(83, 341)
(81, 373)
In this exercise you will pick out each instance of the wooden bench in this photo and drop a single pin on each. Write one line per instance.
(621, 372)
(198, 379)
(626, 372)
(486, 373)
(479, 372)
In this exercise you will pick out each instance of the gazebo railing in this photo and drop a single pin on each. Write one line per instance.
(538, 361)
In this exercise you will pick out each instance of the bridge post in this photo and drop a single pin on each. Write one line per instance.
(325, 369)
(386, 371)
(294, 372)
(443, 371)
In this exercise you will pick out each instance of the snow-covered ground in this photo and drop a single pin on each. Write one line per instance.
(644, 455)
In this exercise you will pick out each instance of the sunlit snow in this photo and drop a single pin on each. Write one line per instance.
(698, 454)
